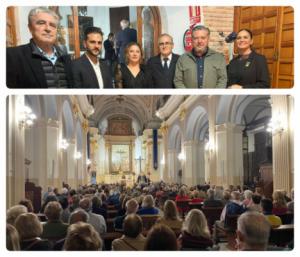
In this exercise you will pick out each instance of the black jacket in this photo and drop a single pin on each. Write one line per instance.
(249, 73)
(158, 78)
(84, 75)
(122, 39)
(24, 68)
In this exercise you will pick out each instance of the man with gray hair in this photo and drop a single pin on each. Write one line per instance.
(40, 63)
(253, 231)
(123, 38)
(202, 67)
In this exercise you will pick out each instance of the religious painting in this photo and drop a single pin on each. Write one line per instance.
(84, 22)
(120, 158)
(119, 127)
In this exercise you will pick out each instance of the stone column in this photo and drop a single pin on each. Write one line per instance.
(164, 131)
(85, 129)
(229, 149)
(282, 138)
(15, 155)
(172, 165)
(94, 147)
(71, 163)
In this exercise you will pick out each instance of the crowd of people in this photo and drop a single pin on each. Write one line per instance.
(43, 64)
(78, 219)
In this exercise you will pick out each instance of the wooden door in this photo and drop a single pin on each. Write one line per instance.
(11, 34)
(273, 36)
(148, 29)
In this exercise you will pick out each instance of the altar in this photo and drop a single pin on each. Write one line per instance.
(127, 179)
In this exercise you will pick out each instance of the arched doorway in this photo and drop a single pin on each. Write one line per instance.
(149, 29)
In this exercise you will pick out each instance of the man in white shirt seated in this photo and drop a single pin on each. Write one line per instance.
(89, 71)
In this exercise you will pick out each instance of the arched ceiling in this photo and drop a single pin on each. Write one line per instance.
(140, 109)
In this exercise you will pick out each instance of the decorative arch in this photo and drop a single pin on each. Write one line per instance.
(50, 106)
(34, 102)
(196, 122)
(174, 140)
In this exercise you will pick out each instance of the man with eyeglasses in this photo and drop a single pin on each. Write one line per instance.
(39, 64)
(202, 67)
(162, 66)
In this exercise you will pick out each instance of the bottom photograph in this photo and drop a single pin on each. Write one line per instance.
(149, 172)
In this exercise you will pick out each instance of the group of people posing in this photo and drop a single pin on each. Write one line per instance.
(42, 64)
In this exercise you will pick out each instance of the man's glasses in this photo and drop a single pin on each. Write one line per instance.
(165, 43)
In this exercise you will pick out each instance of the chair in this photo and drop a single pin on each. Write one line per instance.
(110, 225)
(108, 238)
(282, 235)
(112, 214)
(287, 218)
(195, 205)
(212, 214)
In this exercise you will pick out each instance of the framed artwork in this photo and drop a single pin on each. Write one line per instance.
(84, 22)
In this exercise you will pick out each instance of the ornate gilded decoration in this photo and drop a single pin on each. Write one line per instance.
(182, 114)
(85, 125)
(164, 128)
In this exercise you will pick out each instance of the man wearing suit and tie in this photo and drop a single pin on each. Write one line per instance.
(162, 67)
(89, 71)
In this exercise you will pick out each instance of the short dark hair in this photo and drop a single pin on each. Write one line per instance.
(267, 205)
(256, 198)
(90, 30)
(247, 30)
(200, 27)
(111, 34)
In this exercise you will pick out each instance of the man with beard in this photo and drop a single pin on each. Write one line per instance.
(202, 67)
(88, 70)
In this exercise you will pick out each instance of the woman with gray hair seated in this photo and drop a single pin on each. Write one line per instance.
(13, 213)
(148, 206)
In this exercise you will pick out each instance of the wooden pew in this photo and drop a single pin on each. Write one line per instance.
(183, 207)
(282, 235)
(108, 238)
(212, 214)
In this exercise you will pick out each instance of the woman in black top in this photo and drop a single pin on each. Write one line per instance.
(249, 69)
(133, 73)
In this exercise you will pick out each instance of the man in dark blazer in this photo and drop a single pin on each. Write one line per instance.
(161, 68)
(88, 70)
(39, 64)
(125, 36)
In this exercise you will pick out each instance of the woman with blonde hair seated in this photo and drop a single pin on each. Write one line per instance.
(30, 229)
(195, 232)
(82, 237)
(12, 238)
(170, 216)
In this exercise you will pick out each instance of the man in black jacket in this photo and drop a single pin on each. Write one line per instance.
(88, 70)
(162, 67)
(39, 64)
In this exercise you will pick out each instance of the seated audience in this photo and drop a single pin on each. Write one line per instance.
(170, 216)
(28, 204)
(30, 229)
(12, 238)
(267, 207)
(195, 232)
(247, 198)
(96, 207)
(131, 208)
(161, 238)
(54, 228)
(132, 240)
(211, 201)
(65, 214)
(253, 231)
(279, 203)
(255, 203)
(148, 206)
(13, 213)
(82, 237)
(96, 220)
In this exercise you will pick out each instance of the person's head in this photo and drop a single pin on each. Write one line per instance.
(235, 195)
(248, 194)
(200, 39)
(43, 24)
(64, 202)
(131, 206)
(85, 204)
(256, 199)
(244, 40)
(161, 238)
(278, 198)
(170, 210)
(133, 53)
(111, 36)
(28, 226)
(93, 38)
(82, 237)
(132, 225)
(210, 193)
(253, 231)
(28, 204)
(124, 24)
(78, 215)
(166, 45)
(226, 195)
(13, 213)
(196, 224)
(148, 201)
(53, 211)
(266, 205)
(96, 202)
(182, 192)
(12, 238)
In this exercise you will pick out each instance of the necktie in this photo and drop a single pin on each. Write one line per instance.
(165, 66)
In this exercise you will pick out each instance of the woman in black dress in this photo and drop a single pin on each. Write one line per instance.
(249, 69)
(132, 74)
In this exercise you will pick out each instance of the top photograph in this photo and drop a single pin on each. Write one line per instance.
(108, 47)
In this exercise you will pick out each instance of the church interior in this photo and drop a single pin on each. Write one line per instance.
(149, 142)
